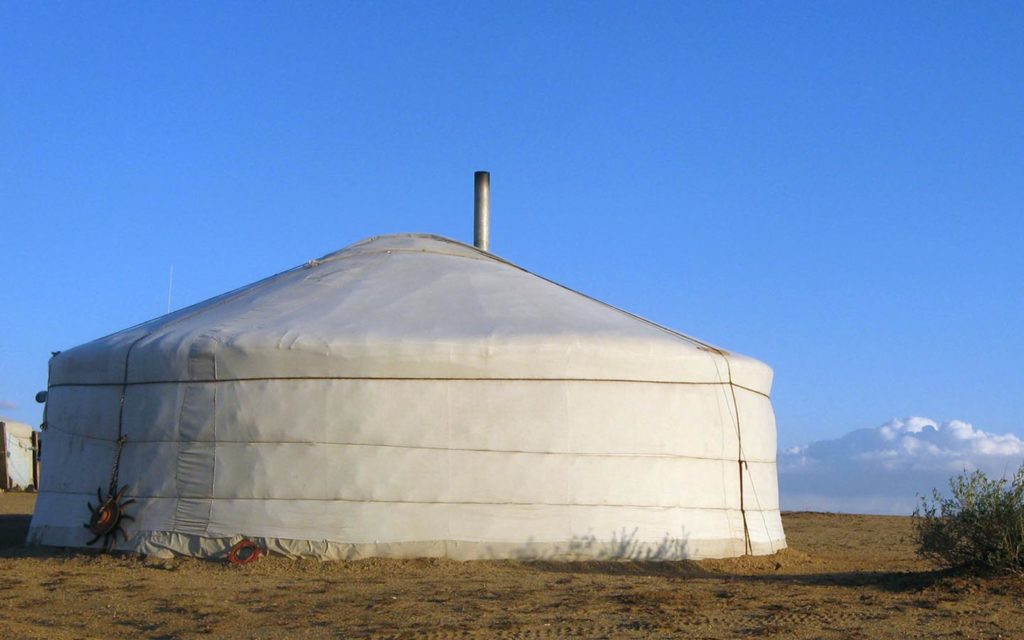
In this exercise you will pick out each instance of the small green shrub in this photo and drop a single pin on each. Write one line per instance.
(980, 527)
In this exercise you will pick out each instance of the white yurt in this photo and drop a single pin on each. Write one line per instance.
(409, 396)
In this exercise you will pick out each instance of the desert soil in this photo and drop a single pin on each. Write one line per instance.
(844, 576)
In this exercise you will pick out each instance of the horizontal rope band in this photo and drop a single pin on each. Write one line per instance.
(410, 502)
(134, 442)
(406, 379)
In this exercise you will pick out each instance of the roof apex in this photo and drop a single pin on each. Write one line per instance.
(411, 242)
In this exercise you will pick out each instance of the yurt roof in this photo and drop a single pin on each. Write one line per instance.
(403, 306)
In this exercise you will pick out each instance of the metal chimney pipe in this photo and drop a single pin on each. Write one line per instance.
(482, 210)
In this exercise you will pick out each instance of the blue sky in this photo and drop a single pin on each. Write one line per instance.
(835, 188)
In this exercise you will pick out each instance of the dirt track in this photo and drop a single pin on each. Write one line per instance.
(843, 577)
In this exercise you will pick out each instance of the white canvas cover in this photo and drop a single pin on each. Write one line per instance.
(413, 396)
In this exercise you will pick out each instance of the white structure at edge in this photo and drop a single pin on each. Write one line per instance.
(413, 396)
(19, 457)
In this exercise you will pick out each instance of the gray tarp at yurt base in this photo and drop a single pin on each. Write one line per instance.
(413, 396)
(17, 448)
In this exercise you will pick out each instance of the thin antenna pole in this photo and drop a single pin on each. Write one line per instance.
(482, 210)
(170, 285)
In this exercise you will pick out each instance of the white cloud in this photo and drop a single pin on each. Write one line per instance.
(8, 405)
(882, 470)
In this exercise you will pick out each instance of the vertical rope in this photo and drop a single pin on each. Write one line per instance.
(740, 462)
(117, 466)
(121, 438)
(748, 548)
(124, 386)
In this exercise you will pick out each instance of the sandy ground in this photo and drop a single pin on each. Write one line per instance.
(842, 577)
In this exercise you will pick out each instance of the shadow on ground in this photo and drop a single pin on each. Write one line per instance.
(892, 581)
(13, 530)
